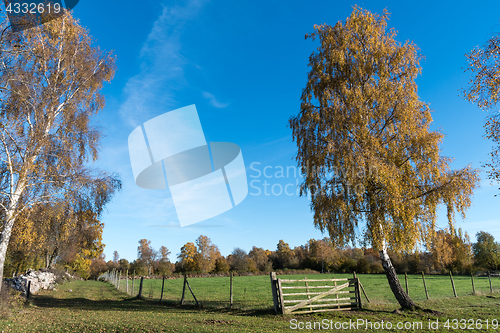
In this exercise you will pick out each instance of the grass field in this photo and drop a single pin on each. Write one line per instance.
(94, 306)
(253, 292)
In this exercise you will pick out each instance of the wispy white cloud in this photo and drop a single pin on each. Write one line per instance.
(152, 91)
(213, 101)
(149, 93)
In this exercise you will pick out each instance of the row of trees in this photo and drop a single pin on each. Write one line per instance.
(448, 251)
(149, 261)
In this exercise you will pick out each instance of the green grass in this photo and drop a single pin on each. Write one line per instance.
(253, 292)
(249, 292)
(94, 306)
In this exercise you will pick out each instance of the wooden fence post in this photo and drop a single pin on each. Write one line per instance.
(473, 287)
(337, 295)
(140, 288)
(425, 286)
(358, 292)
(406, 283)
(231, 290)
(282, 303)
(453, 285)
(307, 290)
(183, 289)
(28, 292)
(162, 284)
(127, 280)
(192, 293)
(272, 275)
(119, 278)
(151, 291)
(133, 285)
(489, 278)
(362, 289)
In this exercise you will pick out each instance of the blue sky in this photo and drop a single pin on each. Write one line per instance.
(244, 65)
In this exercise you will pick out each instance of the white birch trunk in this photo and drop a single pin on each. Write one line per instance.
(10, 218)
(401, 296)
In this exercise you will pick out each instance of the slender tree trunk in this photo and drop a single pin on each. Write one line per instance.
(53, 257)
(7, 228)
(47, 259)
(50, 256)
(4, 241)
(398, 291)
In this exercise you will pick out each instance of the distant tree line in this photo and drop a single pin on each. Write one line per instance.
(448, 251)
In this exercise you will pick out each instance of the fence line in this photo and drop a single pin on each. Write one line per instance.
(117, 280)
(253, 292)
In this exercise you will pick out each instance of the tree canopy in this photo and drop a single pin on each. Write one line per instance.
(50, 86)
(364, 145)
(486, 251)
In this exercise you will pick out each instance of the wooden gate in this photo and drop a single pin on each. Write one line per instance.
(315, 295)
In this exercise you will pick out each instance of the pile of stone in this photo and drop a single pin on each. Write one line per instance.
(39, 280)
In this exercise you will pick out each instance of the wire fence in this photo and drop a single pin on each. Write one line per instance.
(248, 292)
(254, 292)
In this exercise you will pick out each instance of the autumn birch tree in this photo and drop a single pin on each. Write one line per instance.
(146, 254)
(206, 254)
(187, 256)
(371, 165)
(49, 90)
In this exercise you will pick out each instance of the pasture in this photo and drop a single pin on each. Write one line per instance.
(93, 306)
(254, 292)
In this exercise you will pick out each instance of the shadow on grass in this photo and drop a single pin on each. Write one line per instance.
(135, 304)
(113, 300)
(43, 301)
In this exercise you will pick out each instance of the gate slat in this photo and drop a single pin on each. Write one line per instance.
(323, 300)
(310, 287)
(326, 310)
(318, 293)
(324, 280)
(324, 305)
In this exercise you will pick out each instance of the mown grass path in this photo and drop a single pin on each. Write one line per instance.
(98, 307)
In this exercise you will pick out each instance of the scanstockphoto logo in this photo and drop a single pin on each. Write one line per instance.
(268, 180)
(26, 14)
(205, 179)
